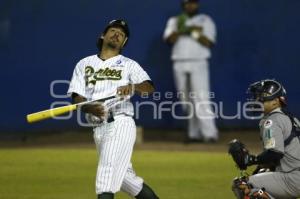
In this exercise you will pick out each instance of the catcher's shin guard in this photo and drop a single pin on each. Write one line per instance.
(238, 187)
(260, 194)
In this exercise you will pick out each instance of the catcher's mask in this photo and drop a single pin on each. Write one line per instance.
(120, 23)
(266, 90)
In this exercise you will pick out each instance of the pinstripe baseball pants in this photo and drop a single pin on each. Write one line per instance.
(114, 142)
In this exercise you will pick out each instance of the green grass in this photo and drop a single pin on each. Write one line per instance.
(57, 173)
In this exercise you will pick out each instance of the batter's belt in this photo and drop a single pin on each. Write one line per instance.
(112, 117)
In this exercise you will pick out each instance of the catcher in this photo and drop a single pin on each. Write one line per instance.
(278, 171)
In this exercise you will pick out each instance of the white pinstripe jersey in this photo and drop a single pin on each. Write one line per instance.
(94, 78)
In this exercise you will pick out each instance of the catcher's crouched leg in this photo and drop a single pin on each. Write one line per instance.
(243, 190)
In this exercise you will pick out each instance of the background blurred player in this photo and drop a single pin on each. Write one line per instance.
(192, 36)
(99, 76)
(279, 133)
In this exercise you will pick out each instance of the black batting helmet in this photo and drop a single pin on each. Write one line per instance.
(266, 90)
(120, 23)
(187, 1)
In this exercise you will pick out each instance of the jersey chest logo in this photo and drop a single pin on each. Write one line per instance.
(92, 76)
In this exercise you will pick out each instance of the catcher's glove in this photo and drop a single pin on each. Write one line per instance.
(239, 154)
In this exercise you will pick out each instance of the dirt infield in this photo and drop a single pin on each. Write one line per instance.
(152, 140)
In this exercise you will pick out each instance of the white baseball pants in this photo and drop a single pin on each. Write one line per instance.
(192, 79)
(114, 142)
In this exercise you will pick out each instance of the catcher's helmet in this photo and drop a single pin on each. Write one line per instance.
(266, 90)
(120, 23)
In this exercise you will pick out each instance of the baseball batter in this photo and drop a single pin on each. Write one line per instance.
(102, 75)
(281, 143)
(192, 35)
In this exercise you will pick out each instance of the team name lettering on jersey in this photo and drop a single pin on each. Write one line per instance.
(102, 74)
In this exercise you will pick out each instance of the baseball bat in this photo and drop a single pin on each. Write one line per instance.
(53, 112)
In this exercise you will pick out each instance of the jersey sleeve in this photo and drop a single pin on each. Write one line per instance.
(77, 84)
(170, 27)
(137, 74)
(272, 136)
(209, 29)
